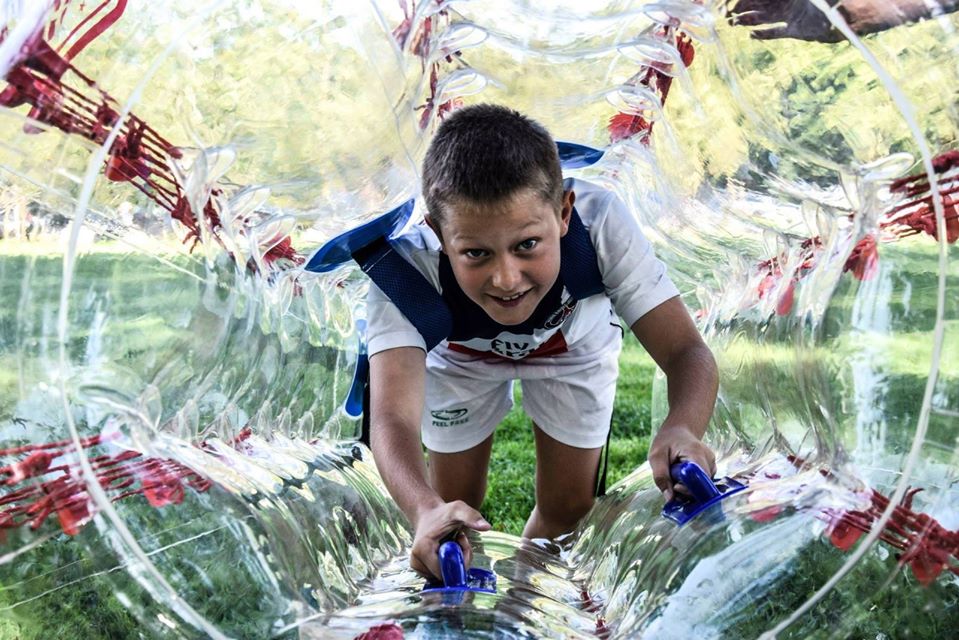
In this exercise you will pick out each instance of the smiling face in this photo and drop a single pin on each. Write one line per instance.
(506, 256)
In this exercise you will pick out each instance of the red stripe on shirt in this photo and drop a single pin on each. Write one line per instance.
(556, 344)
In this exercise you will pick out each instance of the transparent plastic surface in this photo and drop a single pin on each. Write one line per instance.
(176, 458)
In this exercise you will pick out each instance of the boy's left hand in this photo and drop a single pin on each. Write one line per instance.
(672, 444)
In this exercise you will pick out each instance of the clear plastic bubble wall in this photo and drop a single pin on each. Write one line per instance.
(177, 460)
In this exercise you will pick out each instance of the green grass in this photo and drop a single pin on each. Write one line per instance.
(511, 493)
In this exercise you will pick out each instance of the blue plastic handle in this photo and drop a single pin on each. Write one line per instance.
(705, 493)
(452, 565)
(457, 579)
(354, 399)
(695, 479)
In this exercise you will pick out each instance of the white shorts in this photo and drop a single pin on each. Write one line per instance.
(568, 395)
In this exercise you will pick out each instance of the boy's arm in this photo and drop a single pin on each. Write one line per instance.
(802, 20)
(397, 384)
(671, 338)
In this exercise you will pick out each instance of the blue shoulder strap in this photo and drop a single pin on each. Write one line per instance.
(579, 268)
(408, 289)
(577, 156)
(340, 250)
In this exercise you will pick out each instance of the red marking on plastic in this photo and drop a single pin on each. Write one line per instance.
(602, 631)
(913, 215)
(766, 514)
(916, 214)
(38, 488)
(843, 535)
(651, 75)
(589, 604)
(863, 261)
(927, 547)
(63, 98)
(774, 274)
(389, 631)
(420, 46)
(96, 29)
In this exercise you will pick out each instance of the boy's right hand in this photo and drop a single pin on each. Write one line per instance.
(434, 526)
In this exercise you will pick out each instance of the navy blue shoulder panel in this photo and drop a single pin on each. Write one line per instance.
(341, 249)
(579, 268)
(577, 156)
(408, 289)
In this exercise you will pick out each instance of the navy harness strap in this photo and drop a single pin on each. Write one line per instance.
(408, 289)
(579, 269)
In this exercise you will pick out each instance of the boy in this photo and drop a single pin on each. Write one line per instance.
(497, 208)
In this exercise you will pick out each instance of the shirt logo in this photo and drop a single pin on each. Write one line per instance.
(449, 417)
(510, 349)
(559, 316)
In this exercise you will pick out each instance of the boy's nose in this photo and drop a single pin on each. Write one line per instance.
(506, 277)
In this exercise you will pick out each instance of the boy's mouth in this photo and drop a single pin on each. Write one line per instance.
(510, 301)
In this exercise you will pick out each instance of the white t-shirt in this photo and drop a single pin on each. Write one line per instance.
(634, 279)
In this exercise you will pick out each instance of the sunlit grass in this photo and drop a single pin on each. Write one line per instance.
(511, 493)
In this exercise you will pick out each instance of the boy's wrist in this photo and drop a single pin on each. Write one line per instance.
(423, 506)
(674, 426)
(676, 441)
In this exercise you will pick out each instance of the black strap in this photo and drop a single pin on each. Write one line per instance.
(365, 428)
(603, 466)
(412, 294)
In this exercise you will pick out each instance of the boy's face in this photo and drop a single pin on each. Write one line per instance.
(506, 257)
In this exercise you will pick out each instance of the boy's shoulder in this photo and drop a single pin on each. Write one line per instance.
(415, 238)
(593, 201)
(419, 246)
(585, 188)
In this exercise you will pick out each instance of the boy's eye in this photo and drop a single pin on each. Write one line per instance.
(475, 253)
(528, 244)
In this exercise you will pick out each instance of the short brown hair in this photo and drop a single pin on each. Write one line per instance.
(485, 153)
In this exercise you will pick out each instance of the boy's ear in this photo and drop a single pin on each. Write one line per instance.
(569, 197)
(431, 223)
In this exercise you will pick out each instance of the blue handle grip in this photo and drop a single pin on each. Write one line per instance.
(695, 479)
(456, 578)
(452, 565)
(354, 399)
(361, 374)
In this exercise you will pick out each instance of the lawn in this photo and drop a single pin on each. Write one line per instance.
(511, 492)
